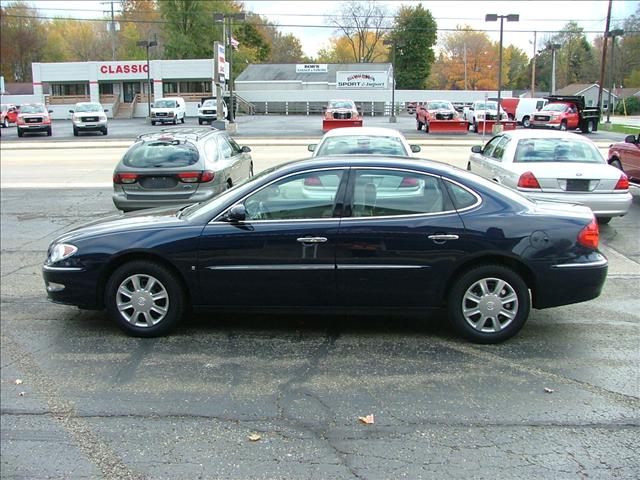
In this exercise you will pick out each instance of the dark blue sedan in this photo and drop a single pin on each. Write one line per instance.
(339, 234)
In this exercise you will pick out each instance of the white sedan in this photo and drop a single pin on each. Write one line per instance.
(556, 166)
(363, 141)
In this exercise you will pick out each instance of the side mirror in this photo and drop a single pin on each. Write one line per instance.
(237, 213)
(312, 147)
(106, 110)
(50, 111)
(476, 149)
(245, 149)
(415, 148)
(199, 105)
(471, 108)
(70, 111)
(630, 139)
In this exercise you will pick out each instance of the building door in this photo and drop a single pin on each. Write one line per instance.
(130, 90)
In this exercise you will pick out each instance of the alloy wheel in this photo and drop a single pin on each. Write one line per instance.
(142, 300)
(490, 305)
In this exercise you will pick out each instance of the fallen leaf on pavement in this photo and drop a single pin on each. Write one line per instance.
(254, 437)
(22, 394)
(548, 390)
(17, 381)
(368, 420)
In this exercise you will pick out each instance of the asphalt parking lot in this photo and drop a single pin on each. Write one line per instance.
(93, 403)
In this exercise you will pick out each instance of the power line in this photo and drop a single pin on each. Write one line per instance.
(333, 27)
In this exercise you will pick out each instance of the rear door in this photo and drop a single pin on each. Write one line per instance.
(233, 158)
(479, 162)
(398, 240)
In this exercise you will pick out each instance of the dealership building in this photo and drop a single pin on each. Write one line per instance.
(122, 87)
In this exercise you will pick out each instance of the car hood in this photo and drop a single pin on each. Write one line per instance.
(151, 218)
(88, 114)
(167, 110)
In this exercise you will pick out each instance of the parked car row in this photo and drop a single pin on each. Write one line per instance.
(361, 226)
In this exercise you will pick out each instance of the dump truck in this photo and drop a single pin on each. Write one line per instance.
(567, 112)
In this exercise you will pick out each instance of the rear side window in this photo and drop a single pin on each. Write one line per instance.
(498, 152)
(160, 154)
(462, 198)
(489, 147)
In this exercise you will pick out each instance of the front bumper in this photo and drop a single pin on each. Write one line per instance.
(90, 125)
(539, 124)
(125, 202)
(164, 119)
(602, 204)
(571, 282)
(79, 287)
(35, 127)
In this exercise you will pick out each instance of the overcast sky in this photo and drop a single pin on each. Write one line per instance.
(305, 18)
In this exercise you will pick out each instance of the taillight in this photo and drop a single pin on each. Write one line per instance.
(189, 177)
(623, 183)
(528, 180)
(207, 176)
(312, 182)
(589, 235)
(409, 182)
(119, 178)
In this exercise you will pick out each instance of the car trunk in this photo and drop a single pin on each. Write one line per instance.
(571, 176)
(162, 184)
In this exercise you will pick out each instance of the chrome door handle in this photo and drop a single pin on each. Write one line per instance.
(442, 237)
(312, 239)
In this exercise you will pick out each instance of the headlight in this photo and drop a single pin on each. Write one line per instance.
(61, 251)
(75, 118)
(103, 118)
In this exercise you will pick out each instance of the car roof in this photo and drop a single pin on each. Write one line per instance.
(528, 133)
(366, 131)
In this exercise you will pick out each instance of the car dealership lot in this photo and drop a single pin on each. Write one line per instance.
(102, 404)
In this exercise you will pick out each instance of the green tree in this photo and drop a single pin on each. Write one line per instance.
(22, 41)
(575, 60)
(133, 29)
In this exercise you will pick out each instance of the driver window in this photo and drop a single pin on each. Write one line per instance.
(488, 149)
(498, 152)
(304, 196)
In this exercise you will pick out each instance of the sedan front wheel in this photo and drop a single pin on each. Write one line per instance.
(489, 304)
(144, 299)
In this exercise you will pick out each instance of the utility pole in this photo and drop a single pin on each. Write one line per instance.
(533, 67)
(112, 28)
(464, 56)
(604, 55)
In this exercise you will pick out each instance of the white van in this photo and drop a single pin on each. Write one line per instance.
(527, 107)
(168, 110)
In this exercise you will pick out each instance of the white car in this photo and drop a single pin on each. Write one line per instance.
(480, 111)
(554, 166)
(88, 116)
(168, 110)
(363, 141)
(208, 111)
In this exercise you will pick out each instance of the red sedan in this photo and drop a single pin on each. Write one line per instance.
(626, 156)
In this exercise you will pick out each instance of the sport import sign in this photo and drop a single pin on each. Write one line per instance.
(358, 80)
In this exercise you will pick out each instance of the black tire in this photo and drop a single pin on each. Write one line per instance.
(418, 124)
(603, 220)
(49, 132)
(251, 174)
(589, 128)
(182, 119)
(104, 131)
(5, 123)
(199, 121)
(153, 124)
(75, 132)
(526, 121)
(20, 132)
(175, 120)
(616, 163)
(563, 126)
(175, 298)
(475, 126)
(507, 328)
(468, 166)
(426, 128)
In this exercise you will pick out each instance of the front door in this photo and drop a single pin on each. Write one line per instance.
(130, 90)
(283, 254)
(402, 237)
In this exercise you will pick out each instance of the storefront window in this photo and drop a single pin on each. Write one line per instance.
(195, 87)
(106, 88)
(169, 87)
(69, 89)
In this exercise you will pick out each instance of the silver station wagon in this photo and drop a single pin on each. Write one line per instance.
(178, 166)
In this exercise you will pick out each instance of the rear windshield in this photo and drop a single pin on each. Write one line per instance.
(32, 109)
(164, 104)
(160, 154)
(361, 144)
(556, 150)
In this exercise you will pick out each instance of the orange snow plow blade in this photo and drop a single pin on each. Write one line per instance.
(330, 124)
(448, 126)
(487, 125)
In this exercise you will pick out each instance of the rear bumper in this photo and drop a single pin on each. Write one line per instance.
(571, 282)
(602, 204)
(124, 202)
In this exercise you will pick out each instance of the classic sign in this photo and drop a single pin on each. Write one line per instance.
(127, 68)
(361, 80)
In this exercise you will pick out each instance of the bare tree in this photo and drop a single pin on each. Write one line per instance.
(363, 24)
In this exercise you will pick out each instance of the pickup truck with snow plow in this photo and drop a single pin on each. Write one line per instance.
(567, 112)
(439, 116)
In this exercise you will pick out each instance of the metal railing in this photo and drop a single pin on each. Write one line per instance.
(66, 99)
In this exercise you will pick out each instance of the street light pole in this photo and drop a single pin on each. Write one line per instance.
(147, 44)
(226, 19)
(553, 47)
(492, 17)
(393, 45)
(612, 34)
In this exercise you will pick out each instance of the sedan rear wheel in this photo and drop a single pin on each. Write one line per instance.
(489, 304)
(144, 299)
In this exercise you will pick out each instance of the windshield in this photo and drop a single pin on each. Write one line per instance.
(160, 154)
(32, 109)
(88, 107)
(209, 103)
(556, 150)
(164, 104)
(439, 106)
(555, 107)
(361, 144)
(487, 106)
(342, 104)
